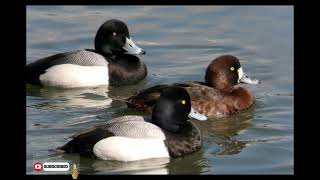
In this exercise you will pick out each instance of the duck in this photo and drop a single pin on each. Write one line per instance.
(219, 96)
(167, 133)
(113, 62)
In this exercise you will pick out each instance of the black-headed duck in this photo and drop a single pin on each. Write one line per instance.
(168, 133)
(112, 62)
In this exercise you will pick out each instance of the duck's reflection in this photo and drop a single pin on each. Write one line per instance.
(195, 163)
(148, 166)
(96, 166)
(224, 132)
(101, 96)
(76, 97)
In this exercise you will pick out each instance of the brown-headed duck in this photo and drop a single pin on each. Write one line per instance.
(218, 96)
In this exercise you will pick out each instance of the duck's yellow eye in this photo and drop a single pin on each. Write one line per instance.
(183, 102)
(114, 33)
(231, 68)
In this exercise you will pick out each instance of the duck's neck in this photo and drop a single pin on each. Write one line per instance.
(126, 69)
(174, 129)
(220, 86)
(111, 56)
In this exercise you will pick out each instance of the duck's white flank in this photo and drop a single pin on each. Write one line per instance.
(130, 149)
(72, 76)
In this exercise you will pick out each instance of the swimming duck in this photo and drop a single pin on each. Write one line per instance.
(112, 62)
(218, 96)
(168, 133)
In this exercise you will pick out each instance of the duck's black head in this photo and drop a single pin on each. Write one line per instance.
(113, 37)
(172, 109)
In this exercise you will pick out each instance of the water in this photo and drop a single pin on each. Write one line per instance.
(180, 42)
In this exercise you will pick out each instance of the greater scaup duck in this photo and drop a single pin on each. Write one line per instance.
(168, 133)
(110, 63)
(216, 97)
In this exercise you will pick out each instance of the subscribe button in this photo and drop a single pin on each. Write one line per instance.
(52, 166)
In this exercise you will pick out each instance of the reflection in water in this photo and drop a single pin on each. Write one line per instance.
(223, 131)
(88, 165)
(90, 97)
(230, 148)
(194, 163)
(149, 166)
(77, 97)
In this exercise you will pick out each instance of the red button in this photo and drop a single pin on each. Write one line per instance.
(37, 166)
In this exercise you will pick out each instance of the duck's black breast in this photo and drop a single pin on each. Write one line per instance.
(126, 69)
(183, 143)
(78, 57)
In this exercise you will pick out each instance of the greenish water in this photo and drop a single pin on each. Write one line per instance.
(180, 42)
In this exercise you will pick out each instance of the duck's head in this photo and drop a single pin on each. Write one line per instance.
(113, 37)
(173, 109)
(226, 71)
